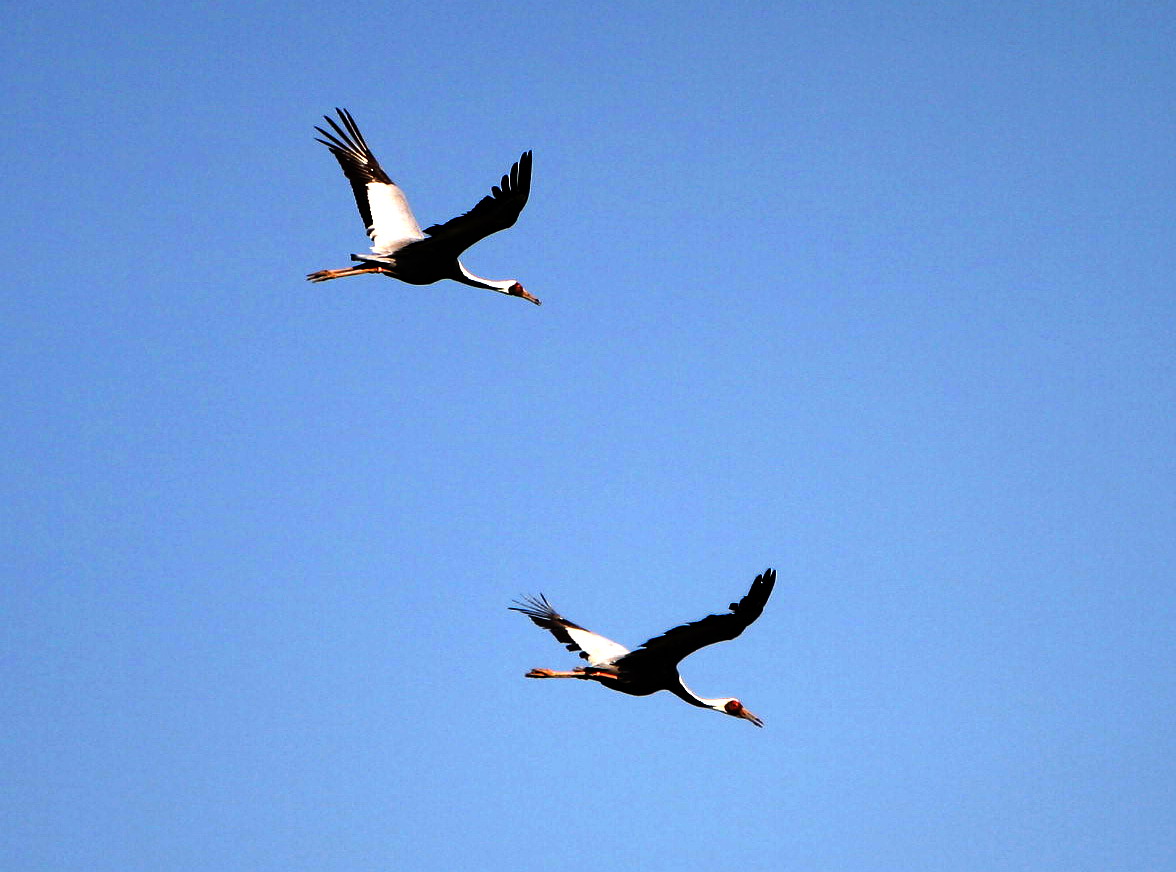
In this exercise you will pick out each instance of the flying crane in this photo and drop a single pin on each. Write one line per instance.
(400, 250)
(654, 665)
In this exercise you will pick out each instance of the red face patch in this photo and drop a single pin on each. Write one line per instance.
(733, 706)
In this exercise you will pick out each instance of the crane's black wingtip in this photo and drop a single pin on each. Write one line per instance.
(761, 589)
(766, 579)
(532, 606)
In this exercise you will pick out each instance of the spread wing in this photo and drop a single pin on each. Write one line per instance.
(672, 645)
(593, 647)
(495, 212)
(382, 205)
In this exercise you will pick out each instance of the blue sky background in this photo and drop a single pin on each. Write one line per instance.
(878, 294)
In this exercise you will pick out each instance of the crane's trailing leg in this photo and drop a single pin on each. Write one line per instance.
(585, 672)
(324, 275)
(551, 673)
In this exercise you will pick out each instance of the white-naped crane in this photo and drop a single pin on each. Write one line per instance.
(654, 665)
(400, 250)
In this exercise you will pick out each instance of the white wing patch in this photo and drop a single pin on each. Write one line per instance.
(393, 224)
(600, 651)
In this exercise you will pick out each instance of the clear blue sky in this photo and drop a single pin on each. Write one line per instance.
(878, 294)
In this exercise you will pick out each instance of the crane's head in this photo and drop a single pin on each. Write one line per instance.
(517, 290)
(735, 709)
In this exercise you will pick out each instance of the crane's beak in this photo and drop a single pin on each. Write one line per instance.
(744, 713)
(532, 298)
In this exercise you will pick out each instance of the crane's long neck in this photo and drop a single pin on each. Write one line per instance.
(685, 693)
(466, 277)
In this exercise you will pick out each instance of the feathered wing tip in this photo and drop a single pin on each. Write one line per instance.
(352, 127)
(688, 638)
(349, 139)
(497, 211)
(755, 600)
(519, 170)
(351, 149)
(539, 610)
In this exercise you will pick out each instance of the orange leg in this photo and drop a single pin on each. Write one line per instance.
(578, 673)
(324, 275)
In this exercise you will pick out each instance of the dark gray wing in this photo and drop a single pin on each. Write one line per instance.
(495, 212)
(672, 645)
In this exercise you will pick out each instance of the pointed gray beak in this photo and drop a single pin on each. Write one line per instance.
(744, 713)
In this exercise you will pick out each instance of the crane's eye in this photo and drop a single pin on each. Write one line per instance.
(733, 706)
